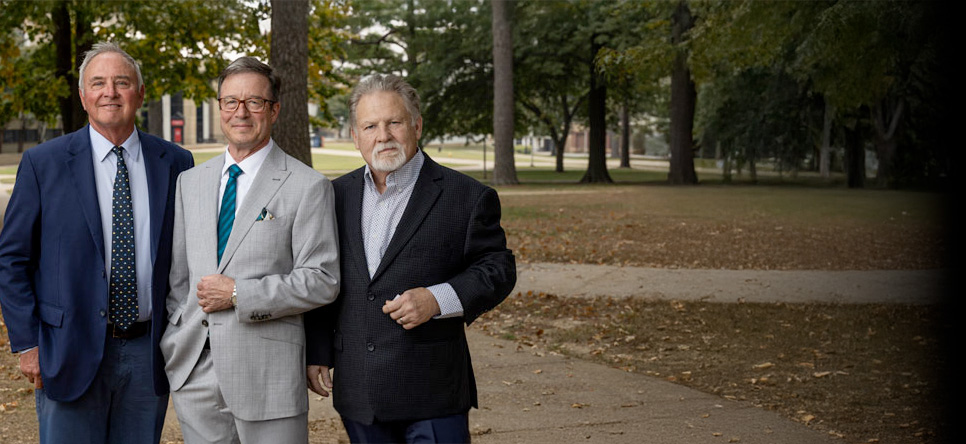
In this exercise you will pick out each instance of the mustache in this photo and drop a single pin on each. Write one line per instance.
(380, 147)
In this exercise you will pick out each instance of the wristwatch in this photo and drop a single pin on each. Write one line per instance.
(234, 296)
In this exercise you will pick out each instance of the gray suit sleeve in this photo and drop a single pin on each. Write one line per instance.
(314, 278)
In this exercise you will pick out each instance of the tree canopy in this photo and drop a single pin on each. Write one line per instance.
(800, 85)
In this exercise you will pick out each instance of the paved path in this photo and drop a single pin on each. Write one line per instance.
(853, 287)
(532, 397)
(529, 397)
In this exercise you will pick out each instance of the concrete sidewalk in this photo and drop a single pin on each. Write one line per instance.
(848, 287)
(528, 396)
(534, 398)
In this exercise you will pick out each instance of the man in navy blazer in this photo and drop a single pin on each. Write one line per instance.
(422, 253)
(98, 377)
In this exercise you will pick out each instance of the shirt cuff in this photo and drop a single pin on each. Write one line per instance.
(449, 304)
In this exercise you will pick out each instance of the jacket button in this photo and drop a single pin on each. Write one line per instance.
(370, 296)
(370, 347)
(204, 322)
(102, 313)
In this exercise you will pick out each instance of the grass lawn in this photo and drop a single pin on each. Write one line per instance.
(862, 373)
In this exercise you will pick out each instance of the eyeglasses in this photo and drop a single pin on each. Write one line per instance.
(254, 105)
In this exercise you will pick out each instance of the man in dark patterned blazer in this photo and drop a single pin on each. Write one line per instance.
(422, 253)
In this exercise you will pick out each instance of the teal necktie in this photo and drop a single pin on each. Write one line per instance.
(124, 284)
(226, 217)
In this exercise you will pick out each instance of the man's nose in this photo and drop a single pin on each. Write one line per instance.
(242, 109)
(110, 90)
(383, 134)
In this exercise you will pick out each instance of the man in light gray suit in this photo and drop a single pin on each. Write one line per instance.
(255, 246)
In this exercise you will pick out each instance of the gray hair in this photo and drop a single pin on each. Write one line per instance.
(388, 83)
(101, 48)
(252, 65)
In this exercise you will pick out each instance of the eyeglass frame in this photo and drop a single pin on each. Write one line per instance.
(245, 101)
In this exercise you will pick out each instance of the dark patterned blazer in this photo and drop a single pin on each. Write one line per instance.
(449, 232)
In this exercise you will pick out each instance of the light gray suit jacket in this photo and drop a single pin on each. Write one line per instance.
(283, 265)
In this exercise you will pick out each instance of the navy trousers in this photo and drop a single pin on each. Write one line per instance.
(448, 429)
(120, 407)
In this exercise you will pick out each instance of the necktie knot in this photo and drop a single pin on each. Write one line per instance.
(234, 171)
(118, 151)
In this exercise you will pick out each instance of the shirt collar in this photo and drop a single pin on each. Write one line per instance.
(403, 177)
(102, 147)
(250, 164)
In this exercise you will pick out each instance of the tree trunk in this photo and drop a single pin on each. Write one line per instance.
(41, 132)
(825, 153)
(625, 135)
(753, 170)
(559, 143)
(71, 44)
(504, 167)
(290, 58)
(20, 134)
(854, 158)
(597, 115)
(683, 96)
(885, 140)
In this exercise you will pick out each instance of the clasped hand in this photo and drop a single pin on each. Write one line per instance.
(412, 308)
(214, 292)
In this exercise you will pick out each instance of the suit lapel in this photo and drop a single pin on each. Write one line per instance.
(208, 191)
(81, 165)
(158, 169)
(425, 193)
(353, 221)
(269, 179)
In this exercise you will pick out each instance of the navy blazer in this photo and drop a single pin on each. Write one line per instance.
(449, 232)
(53, 284)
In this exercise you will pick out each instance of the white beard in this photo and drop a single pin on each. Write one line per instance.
(387, 162)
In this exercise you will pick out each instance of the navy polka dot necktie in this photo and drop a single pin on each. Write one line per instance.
(226, 216)
(124, 294)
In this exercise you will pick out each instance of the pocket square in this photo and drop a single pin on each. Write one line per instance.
(265, 214)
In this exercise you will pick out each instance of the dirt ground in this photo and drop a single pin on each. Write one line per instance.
(862, 373)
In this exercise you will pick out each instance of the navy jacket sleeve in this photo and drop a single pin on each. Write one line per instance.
(19, 241)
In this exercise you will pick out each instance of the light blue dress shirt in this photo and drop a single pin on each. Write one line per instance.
(105, 169)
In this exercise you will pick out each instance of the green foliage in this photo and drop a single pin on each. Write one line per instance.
(327, 36)
(551, 63)
(179, 44)
(444, 49)
(876, 63)
(760, 113)
(637, 62)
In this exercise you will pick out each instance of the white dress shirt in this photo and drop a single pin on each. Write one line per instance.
(249, 166)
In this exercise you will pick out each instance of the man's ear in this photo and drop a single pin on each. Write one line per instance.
(276, 109)
(141, 96)
(355, 140)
